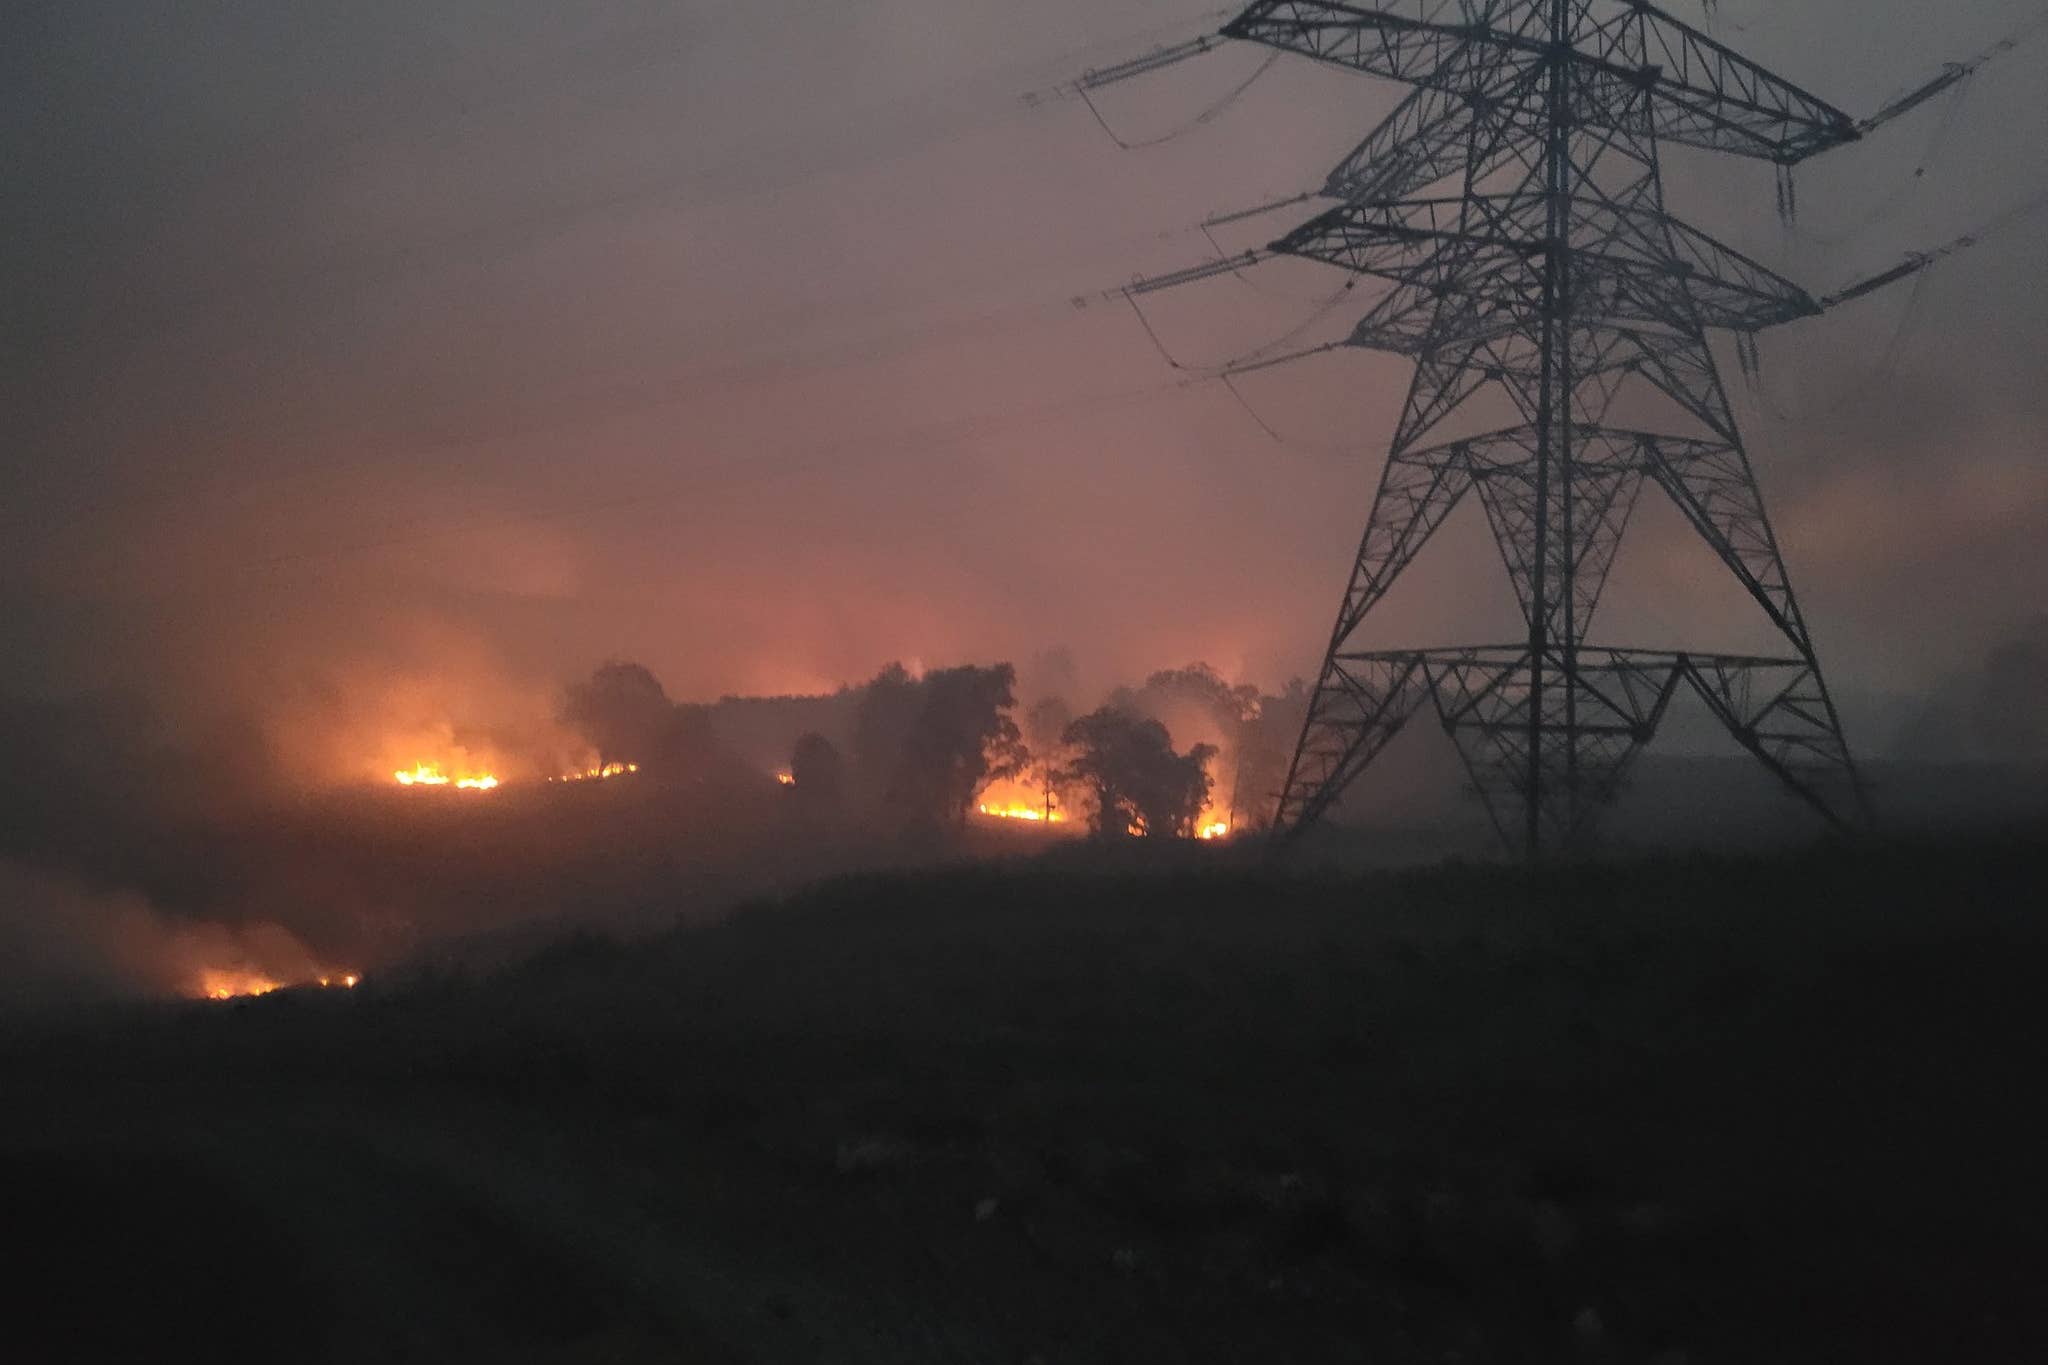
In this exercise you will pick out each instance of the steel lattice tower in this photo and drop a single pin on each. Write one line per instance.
(1515, 204)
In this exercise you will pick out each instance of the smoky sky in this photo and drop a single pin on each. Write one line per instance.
(353, 348)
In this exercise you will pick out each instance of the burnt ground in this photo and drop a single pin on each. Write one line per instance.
(1748, 1110)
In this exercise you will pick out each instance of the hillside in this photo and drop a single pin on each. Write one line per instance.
(1740, 1110)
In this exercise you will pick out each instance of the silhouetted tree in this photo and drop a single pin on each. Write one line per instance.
(624, 713)
(686, 740)
(1265, 748)
(1194, 699)
(963, 738)
(1046, 753)
(1138, 781)
(1196, 687)
(818, 772)
(882, 721)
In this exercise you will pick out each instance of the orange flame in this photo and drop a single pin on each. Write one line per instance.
(605, 770)
(1014, 800)
(1035, 814)
(243, 984)
(227, 985)
(430, 775)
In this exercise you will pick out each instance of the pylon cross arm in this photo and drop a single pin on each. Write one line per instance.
(1635, 67)
(1630, 263)
(1514, 207)
(1708, 95)
(1411, 40)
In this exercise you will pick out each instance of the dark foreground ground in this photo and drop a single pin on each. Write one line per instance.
(1767, 1110)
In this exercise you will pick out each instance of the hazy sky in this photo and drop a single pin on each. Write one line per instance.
(446, 348)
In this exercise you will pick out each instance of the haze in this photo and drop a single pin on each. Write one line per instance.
(464, 346)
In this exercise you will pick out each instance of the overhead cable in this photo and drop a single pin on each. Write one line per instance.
(1217, 220)
(1253, 366)
(1173, 279)
(1159, 58)
(1888, 207)
(1919, 261)
(1248, 360)
(1229, 98)
(1328, 449)
(1095, 79)
(1901, 105)
(1915, 267)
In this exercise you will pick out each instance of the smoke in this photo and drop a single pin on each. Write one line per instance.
(2009, 702)
(62, 942)
(1996, 713)
(430, 693)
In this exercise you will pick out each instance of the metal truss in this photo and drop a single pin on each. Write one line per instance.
(1513, 205)
(1558, 750)
(1623, 63)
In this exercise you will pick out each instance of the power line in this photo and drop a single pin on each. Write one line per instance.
(1951, 74)
(1918, 266)
(1205, 116)
(1096, 78)
(925, 437)
(1889, 206)
(1551, 278)
(604, 400)
(1257, 353)
(732, 173)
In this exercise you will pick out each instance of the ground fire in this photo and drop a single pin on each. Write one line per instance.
(1014, 811)
(1009, 800)
(598, 772)
(430, 775)
(237, 984)
(1017, 801)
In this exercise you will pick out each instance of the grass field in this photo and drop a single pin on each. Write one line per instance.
(1772, 1109)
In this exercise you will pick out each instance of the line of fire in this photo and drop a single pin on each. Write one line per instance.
(1113, 773)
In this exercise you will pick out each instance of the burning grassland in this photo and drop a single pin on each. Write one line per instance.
(1062, 806)
(433, 775)
(63, 941)
(236, 983)
(596, 772)
(368, 841)
(1016, 800)
(430, 775)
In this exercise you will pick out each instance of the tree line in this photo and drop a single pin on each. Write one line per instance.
(923, 748)
(931, 745)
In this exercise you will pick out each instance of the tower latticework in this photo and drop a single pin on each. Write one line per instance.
(1514, 204)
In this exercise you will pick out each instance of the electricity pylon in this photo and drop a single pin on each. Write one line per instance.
(1514, 203)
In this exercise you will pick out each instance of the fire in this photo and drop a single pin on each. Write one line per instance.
(600, 771)
(1214, 829)
(1016, 812)
(430, 775)
(787, 779)
(240, 984)
(227, 985)
(1012, 800)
